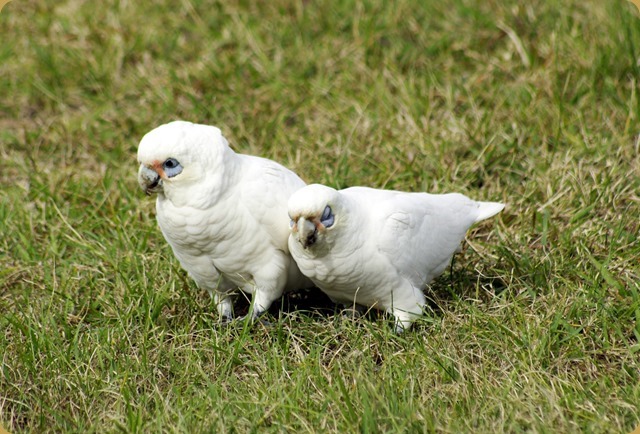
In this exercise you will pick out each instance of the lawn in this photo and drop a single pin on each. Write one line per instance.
(534, 328)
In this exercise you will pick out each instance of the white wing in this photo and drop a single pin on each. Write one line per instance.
(265, 190)
(420, 232)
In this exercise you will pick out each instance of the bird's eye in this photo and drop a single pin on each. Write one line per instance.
(326, 213)
(171, 163)
(291, 224)
(327, 218)
(172, 167)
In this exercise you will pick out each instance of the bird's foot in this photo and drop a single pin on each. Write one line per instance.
(352, 311)
(226, 320)
(253, 319)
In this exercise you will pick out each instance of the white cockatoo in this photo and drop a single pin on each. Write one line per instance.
(379, 248)
(224, 214)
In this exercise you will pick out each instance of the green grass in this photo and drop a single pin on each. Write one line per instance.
(536, 326)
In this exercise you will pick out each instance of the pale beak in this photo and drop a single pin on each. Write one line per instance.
(149, 180)
(307, 232)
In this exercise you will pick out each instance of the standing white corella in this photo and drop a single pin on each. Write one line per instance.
(223, 214)
(379, 248)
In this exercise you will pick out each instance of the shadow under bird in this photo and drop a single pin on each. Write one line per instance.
(224, 214)
(379, 248)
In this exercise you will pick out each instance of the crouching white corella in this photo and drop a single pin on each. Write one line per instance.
(379, 248)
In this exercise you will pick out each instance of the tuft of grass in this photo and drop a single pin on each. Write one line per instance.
(535, 327)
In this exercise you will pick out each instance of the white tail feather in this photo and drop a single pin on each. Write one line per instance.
(488, 209)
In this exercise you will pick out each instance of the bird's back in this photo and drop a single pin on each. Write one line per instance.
(418, 232)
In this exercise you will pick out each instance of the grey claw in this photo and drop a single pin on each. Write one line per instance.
(351, 313)
(265, 323)
(252, 320)
(226, 320)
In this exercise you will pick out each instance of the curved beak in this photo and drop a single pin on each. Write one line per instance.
(307, 232)
(149, 180)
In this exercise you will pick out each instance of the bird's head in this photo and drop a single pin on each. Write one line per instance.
(177, 154)
(315, 211)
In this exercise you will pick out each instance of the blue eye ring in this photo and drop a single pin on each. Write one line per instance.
(327, 218)
(326, 213)
(171, 167)
(170, 163)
